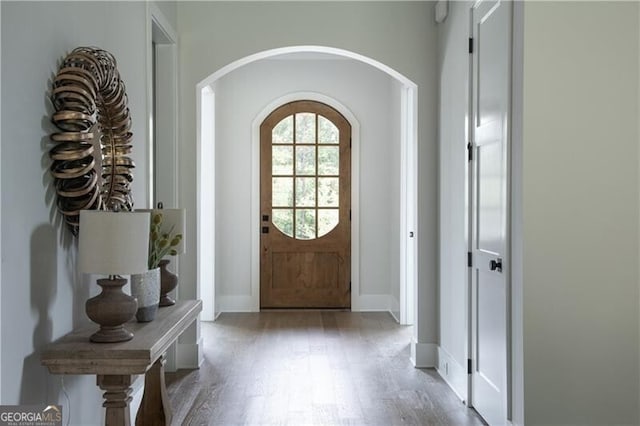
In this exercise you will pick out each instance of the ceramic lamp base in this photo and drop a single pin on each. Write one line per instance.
(111, 309)
(168, 282)
(166, 301)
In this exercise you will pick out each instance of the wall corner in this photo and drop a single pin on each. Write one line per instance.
(424, 355)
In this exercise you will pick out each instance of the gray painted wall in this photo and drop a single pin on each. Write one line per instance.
(170, 11)
(42, 297)
(401, 35)
(580, 213)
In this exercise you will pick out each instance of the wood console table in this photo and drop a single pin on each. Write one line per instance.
(115, 363)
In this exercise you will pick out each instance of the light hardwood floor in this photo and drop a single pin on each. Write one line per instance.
(311, 368)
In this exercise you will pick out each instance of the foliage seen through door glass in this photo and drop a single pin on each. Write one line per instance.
(305, 190)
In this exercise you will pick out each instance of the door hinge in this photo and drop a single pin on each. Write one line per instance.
(469, 259)
(349, 285)
(350, 141)
(469, 370)
(349, 214)
(470, 45)
(469, 151)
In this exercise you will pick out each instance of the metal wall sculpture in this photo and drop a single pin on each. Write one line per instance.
(92, 115)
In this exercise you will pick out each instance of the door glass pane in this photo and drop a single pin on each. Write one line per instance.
(282, 192)
(283, 132)
(305, 224)
(328, 160)
(305, 192)
(282, 159)
(327, 220)
(305, 176)
(306, 160)
(328, 192)
(305, 128)
(283, 220)
(327, 131)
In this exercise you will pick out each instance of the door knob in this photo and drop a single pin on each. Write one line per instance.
(496, 265)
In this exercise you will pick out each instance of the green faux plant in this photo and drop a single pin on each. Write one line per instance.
(161, 244)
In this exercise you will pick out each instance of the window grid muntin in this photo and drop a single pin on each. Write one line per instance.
(294, 143)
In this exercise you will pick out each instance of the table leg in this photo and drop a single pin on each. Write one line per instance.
(117, 397)
(155, 408)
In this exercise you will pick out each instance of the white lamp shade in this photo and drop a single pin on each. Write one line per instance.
(173, 221)
(113, 243)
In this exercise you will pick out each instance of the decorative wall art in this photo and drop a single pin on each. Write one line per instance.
(92, 116)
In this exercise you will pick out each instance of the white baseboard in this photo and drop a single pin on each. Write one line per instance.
(361, 303)
(370, 303)
(424, 355)
(189, 355)
(454, 373)
(237, 304)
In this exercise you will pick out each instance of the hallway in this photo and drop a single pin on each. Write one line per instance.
(311, 368)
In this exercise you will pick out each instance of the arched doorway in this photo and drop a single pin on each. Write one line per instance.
(405, 190)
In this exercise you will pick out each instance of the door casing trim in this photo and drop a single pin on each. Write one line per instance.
(509, 205)
(355, 190)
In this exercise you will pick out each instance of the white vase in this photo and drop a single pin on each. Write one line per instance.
(146, 288)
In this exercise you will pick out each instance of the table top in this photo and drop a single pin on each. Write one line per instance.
(75, 354)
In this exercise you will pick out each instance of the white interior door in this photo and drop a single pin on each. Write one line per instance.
(491, 35)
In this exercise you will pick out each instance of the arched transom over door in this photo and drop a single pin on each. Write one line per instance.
(305, 202)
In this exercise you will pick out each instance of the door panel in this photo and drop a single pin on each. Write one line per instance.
(490, 196)
(489, 283)
(491, 322)
(305, 187)
(308, 270)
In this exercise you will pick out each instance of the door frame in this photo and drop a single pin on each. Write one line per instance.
(337, 241)
(255, 189)
(512, 198)
(162, 147)
(161, 33)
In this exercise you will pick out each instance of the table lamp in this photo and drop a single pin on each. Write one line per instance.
(113, 244)
(173, 223)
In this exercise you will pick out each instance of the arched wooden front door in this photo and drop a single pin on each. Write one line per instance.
(305, 202)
